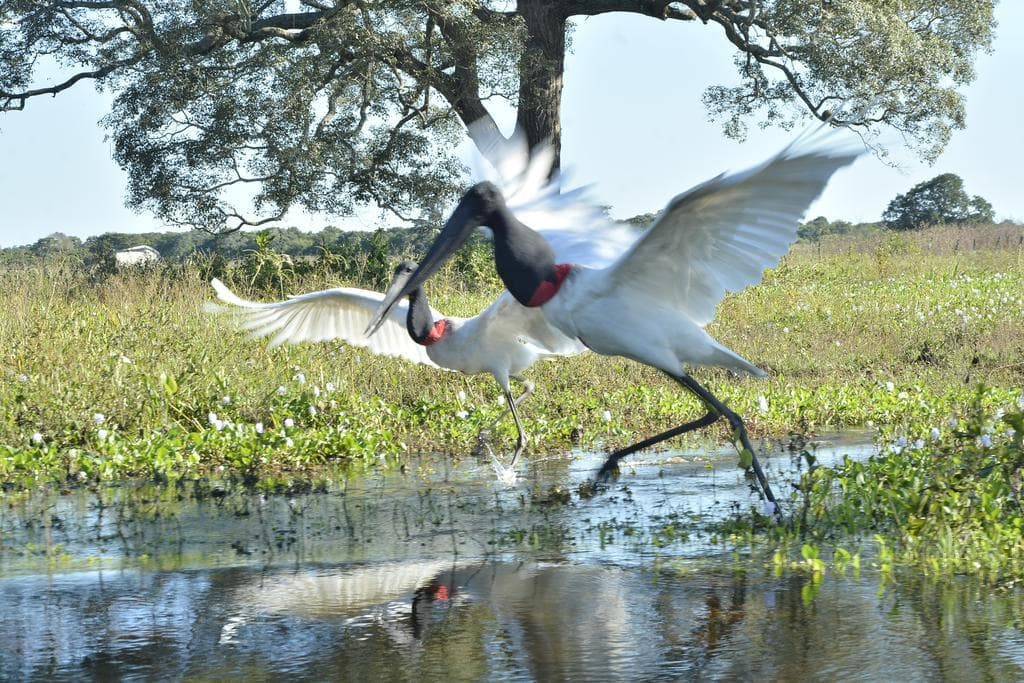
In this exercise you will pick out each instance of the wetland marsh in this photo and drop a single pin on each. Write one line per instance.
(180, 501)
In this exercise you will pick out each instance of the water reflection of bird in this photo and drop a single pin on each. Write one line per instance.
(652, 303)
(504, 340)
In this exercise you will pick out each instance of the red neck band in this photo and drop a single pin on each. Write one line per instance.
(436, 332)
(547, 289)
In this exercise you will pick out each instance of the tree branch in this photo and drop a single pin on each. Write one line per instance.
(15, 101)
(659, 9)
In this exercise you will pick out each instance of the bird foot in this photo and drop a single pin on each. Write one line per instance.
(609, 470)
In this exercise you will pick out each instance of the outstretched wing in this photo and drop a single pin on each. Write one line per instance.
(509, 318)
(721, 235)
(330, 314)
(575, 225)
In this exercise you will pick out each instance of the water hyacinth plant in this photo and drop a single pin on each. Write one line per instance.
(919, 324)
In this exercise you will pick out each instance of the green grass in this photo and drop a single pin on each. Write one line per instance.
(108, 377)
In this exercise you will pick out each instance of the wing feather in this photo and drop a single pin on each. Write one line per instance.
(509, 318)
(341, 314)
(575, 225)
(722, 234)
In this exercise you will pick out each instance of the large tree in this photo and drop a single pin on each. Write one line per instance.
(327, 104)
(933, 202)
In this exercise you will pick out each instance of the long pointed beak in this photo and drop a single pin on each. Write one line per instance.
(468, 216)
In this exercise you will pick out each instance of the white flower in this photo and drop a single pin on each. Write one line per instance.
(24, 378)
(762, 404)
(462, 414)
(985, 441)
(901, 441)
(902, 394)
(300, 378)
(889, 386)
(316, 392)
(289, 443)
(218, 424)
(919, 443)
(259, 427)
(125, 359)
(212, 418)
(226, 401)
(785, 330)
(606, 416)
(462, 396)
(501, 400)
(936, 434)
(312, 410)
(281, 391)
(288, 422)
(99, 418)
(330, 387)
(37, 438)
(102, 434)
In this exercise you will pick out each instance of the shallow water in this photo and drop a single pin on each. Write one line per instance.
(444, 574)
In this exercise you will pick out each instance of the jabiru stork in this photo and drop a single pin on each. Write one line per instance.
(651, 304)
(503, 340)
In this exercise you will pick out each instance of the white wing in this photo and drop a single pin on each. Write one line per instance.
(721, 235)
(341, 313)
(576, 226)
(509, 318)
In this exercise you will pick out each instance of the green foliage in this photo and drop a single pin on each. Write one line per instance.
(945, 496)
(933, 202)
(849, 339)
(820, 227)
(898, 61)
(334, 105)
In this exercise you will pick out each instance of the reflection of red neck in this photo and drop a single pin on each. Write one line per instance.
(547, 289)
(436, 332)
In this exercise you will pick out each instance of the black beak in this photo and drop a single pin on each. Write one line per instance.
(393, 293)
(468, 216)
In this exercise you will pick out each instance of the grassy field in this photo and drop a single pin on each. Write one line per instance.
(125, 375)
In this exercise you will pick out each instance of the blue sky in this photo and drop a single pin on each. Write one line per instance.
(633, 125)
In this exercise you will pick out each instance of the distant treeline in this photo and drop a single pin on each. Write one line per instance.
(330, 242)
(184, 243)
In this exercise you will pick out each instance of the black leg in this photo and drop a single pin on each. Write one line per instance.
(612, 463)
(528, 388)
(716, 409)
(521, 442)
(712, 402)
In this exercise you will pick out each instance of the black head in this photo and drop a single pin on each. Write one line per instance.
(404, 270)
(478, 206)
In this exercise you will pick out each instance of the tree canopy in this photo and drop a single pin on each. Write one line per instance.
(331, 104)
(939, 200)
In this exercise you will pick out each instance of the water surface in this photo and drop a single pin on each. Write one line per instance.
(438, 572)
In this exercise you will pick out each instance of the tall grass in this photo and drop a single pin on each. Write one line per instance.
(850, 332)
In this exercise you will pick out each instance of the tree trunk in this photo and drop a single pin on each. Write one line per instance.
(540, 74)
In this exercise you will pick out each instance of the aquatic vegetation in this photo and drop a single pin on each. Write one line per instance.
(949, 504)
(941, 497)
(120, 376)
